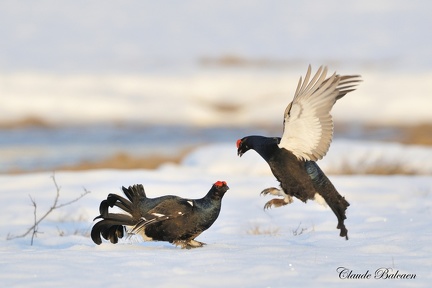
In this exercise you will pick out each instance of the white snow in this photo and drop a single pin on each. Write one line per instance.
(71, 62)
(388, 222)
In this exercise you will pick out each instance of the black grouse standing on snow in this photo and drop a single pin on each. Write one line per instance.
(307, 134)
(167, 218)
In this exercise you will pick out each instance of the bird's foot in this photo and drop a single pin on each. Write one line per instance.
(278, 202)
(273, 191)
(188, 244)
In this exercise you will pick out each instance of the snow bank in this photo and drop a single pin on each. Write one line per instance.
(205, 98)
(361, 156)
(388, 222)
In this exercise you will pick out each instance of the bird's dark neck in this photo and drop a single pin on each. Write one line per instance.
(264, 146)
(213, 196)
(209, 204)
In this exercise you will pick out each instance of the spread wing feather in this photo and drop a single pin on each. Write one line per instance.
(308, 125)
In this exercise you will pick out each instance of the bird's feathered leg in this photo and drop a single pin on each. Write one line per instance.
(276, 202)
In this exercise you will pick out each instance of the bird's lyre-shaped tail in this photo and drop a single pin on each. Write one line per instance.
(111, 227)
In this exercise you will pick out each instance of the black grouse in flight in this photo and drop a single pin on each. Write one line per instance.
(167, 218)
(307, 134)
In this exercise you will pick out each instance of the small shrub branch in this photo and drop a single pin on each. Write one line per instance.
(34, 228)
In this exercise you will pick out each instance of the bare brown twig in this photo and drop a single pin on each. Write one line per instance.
(34, 229)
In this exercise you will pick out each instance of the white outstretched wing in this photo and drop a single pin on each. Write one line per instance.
(308, 125)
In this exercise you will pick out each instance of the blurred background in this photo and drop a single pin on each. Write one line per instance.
(135, 84)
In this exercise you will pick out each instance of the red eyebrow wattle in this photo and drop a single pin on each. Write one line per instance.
(220, 183)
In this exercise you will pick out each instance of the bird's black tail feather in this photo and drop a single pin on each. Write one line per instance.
(338, 205)
(111, 227)
(334, 200)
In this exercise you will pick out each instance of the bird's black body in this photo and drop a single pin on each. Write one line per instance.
(167, 218)
(306, 138)
(298, 178)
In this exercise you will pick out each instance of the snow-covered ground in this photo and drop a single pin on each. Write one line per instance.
(88, 65)
(388, 221)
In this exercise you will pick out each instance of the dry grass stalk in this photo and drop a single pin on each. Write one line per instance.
(256, 229)
(34, 228)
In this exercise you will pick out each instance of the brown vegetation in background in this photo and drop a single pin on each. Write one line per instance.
(417, 134)
(244, 62)
(125, 161)
(121, 161)
(31, 121)
(414, 135)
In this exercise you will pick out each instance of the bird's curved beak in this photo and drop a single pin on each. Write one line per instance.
(239, 153)
(239, 148)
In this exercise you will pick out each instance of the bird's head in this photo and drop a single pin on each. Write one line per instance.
(264, 146)
(242, 146)
(220, 187)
